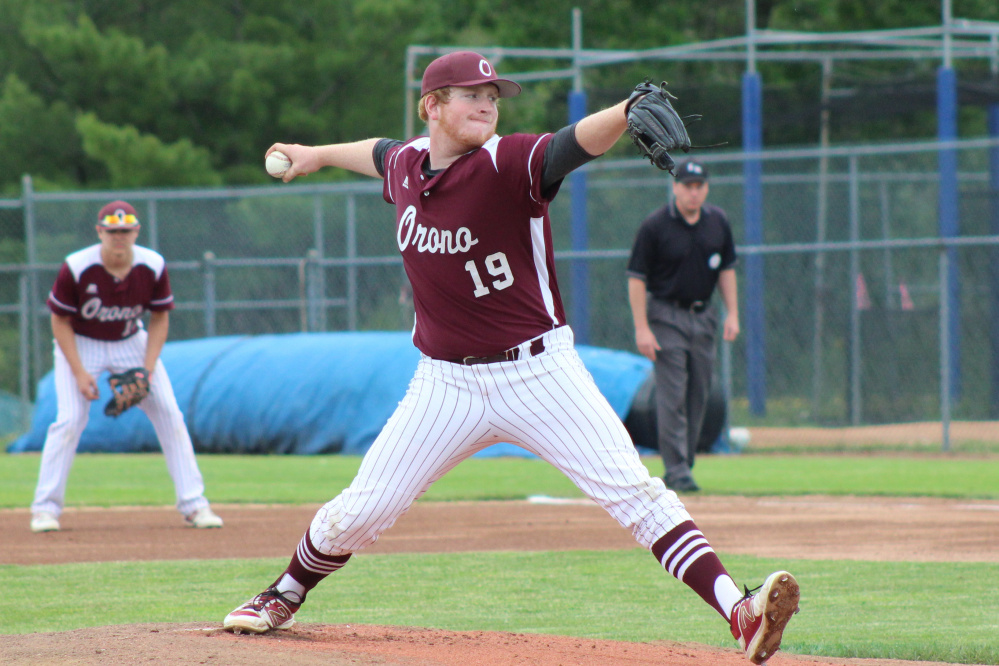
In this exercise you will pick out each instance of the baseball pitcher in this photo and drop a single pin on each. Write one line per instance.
(498, 362)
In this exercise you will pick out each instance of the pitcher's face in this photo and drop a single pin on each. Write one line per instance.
(469, 117)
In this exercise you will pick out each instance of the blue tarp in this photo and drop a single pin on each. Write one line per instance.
(303, 393)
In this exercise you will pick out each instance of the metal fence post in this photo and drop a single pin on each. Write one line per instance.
(34, 327)
(319, 321)
(151, 222)
(351, 263)
(886, 254)
(579, 234)
(25, 332)
(312, 293)
(993, 176)
(303, 295)
(209, 284)
(949, 207)
(755, 310)
(855, 333)
(819, 260)
(945, 377)
(726, 376)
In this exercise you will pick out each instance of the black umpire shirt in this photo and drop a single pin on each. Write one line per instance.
(680, 261)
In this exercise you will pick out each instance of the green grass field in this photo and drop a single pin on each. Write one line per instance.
(916, 611)
(141, 479)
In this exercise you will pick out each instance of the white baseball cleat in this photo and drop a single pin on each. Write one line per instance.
(758, 620)
(268, 610)
(43, 521)
(203, 518)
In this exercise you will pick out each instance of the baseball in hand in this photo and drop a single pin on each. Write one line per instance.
(277, 164)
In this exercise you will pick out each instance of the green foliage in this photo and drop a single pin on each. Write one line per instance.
(111, 74)
(833, 15)
(35, 136)
(232, 78)
(133, 159)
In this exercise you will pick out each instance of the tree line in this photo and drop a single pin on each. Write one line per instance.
(161, 93)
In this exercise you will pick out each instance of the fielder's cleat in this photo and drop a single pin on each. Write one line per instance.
(43, 521)
(203, 518)
(758, 620)
(268, 610)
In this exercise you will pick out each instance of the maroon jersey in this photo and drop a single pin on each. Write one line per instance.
(102, 306)
(476, 243)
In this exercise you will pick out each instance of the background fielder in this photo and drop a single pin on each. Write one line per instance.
(97, 303)
(498, 362)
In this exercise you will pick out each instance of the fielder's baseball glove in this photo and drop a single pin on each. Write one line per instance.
(654, 125)
(128, 389)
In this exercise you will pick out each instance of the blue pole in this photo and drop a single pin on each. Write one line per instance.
(579, 235)
(752, 141)
(949, 213)
(993, 123)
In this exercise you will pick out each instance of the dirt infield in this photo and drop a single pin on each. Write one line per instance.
(368, 645)
(811, 527)
(924, 433)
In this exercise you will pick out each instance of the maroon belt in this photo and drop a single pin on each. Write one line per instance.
(537, 347)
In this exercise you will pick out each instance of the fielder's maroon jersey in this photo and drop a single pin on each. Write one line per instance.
(476, 243)
(102, 306)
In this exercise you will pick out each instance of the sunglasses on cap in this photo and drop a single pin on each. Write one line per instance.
(118, 220)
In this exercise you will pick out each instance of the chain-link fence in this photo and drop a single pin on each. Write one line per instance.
(860, 311)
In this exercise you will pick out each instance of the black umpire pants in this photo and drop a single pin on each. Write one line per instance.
(683, 370)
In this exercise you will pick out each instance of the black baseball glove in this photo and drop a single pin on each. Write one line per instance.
(127, 390)
(654, 125)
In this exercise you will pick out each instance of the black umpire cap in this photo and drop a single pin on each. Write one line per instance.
(690, 171)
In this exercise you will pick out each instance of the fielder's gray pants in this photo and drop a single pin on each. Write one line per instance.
(683, 371)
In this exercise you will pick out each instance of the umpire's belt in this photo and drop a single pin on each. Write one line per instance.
(537, 347)
(693, 306)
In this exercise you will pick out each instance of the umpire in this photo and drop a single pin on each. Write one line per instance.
(681, 251)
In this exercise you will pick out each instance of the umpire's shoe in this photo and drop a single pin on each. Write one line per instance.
(268, 610)
(685, 484)
(758, 620)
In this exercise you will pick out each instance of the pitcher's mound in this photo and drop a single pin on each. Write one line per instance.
(364, 645)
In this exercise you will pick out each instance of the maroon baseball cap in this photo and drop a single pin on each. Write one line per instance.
(464, 68)
(117, 215)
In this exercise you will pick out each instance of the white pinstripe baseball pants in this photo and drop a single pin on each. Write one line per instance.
(547, 404)
(74, 410)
